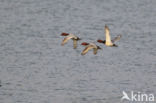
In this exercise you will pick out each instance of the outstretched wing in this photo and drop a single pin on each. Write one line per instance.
(75, 43)
(108, 37)
(95, 50)
(65, 40)
(117, 38)
(86, 49)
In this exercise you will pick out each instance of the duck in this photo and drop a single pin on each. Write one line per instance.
(90, 46)
(108, 41)
(68, 37)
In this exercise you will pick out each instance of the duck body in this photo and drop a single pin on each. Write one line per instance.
(107, 44)
(108, 41)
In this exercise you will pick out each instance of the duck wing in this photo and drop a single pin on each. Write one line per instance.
(95, 50)
(117, 38)
(65, 40)
(108, 37)
(75, 43)
(87, 49)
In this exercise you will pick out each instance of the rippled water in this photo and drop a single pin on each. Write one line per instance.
(35, 68)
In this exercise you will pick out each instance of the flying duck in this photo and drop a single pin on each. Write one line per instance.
(88, 47)
(108, 41)
(70, 36)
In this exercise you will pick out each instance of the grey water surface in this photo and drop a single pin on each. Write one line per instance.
(35, 68)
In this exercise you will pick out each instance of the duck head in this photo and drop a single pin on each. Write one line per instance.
(84, 43)
(101, 41)
(64, 34)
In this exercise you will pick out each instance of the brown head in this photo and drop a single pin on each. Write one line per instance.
(85, 43)
(64, 34)
(100, 41)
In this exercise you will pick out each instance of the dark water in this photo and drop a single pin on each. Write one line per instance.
(35, 68)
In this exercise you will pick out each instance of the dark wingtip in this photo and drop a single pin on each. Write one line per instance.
(79, 39)
(64, 34)
(106, 26)
(99, 47)
(114, 45)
